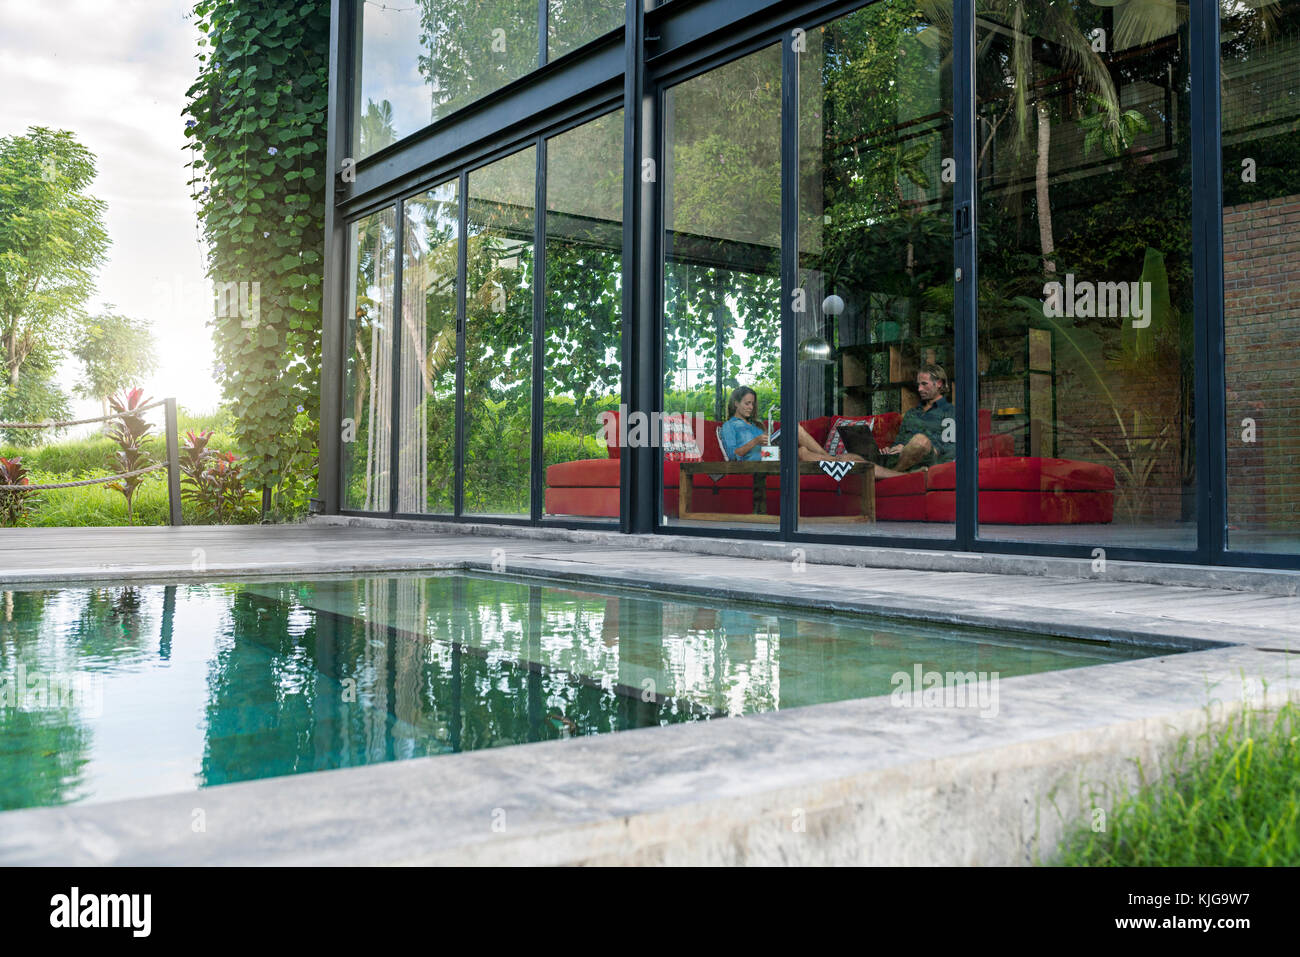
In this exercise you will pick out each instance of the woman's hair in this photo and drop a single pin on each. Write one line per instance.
(738, 396)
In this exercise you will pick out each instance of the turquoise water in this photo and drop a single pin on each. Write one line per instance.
(126, 691)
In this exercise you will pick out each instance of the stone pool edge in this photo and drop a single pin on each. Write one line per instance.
(860, 781)
(867, 782)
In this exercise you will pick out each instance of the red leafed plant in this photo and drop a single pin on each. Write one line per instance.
(129, 433)
(225, 474)
(15, 503)
(214, 481)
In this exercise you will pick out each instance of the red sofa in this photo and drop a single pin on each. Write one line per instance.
(1013, 490)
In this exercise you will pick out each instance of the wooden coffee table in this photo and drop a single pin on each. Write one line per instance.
(760, 471)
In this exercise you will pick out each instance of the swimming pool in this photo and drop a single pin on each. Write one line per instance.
(132, 690)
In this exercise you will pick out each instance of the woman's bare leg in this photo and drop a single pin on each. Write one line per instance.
(806, 441)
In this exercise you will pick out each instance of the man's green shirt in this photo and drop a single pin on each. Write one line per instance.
(941, 418)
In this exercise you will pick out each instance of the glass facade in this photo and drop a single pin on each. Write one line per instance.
(874, 314)
(721, 288)
(499, 278)
(583, 331)
(979, 274)
(427, 384)
(1260, 60)
(1086, 356)
(420, 62)
(366, 430)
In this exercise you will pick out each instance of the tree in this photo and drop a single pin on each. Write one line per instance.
(116, 351)
(52, 239)
(36, 398)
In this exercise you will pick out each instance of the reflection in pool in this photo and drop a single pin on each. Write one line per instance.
(127, 691)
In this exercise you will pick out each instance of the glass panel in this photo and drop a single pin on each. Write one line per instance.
(427, 384)
(422, 61)
(499, 336)
(575, 22)
(874, 302)
(368, 363)
(1085, 274)
(1261, 279)
(722, 290)
(584, 317)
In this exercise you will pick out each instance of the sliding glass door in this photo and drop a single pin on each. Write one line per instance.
(874, 303)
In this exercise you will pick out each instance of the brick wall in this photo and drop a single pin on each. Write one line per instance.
(1261, 245)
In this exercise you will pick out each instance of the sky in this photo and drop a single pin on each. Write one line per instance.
(115, 72)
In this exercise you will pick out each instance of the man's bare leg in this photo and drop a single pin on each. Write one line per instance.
(917, 450)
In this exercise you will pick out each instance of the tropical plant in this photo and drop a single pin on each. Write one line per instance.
(1115, 370)
(213, 481)
(129, 433)
(234, 502)
(194, 459)
(257, 124)
(1113, 138)
(15, 503)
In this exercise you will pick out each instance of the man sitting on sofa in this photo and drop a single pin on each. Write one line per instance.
(920, 442)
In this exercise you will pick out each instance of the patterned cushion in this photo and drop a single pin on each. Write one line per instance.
(835, 444)
(679, 441)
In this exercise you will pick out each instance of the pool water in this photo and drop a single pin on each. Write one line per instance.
(127, 691)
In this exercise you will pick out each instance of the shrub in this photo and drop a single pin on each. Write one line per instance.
(15, 504)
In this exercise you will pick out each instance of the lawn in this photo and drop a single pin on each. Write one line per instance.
(75, 459)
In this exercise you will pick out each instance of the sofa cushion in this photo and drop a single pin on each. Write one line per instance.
(1028, 474)
(819, 428)
(680, 443)
(588, 502)
(834, 444)
(910, 483)
(821, 482)
(672, 478)
(1027, 508)
(584, 473)
(609, 429)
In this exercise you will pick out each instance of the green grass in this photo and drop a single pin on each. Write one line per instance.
(93, 457)
(86, 457)
(99, 505)
(1232, 798)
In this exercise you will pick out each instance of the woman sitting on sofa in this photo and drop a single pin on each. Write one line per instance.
(741, 439)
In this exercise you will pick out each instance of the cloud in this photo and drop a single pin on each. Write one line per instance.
(115, 74)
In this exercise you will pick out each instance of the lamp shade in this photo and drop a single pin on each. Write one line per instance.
(816, 349)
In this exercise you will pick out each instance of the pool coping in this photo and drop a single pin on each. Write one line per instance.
(862, 781)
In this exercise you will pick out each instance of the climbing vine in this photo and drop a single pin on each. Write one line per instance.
(256, 122)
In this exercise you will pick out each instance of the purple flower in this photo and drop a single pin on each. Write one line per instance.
(272, 150)
(300, 408)
(189, 124)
